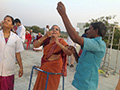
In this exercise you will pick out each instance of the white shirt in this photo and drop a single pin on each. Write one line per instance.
(70, 42)
(7, 53)
(21, 32)
(45, 30)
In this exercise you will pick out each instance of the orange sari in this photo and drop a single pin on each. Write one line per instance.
(55, 66)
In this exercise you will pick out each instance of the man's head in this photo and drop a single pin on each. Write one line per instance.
(47, 26)
(96, 29)
(17, 22)
(27, 32)
(86, 30)
(31, 30)
(85, 33)
(39, 34)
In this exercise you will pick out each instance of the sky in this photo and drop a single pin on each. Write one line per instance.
(43, 12)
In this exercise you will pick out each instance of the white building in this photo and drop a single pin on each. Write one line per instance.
(81, 28)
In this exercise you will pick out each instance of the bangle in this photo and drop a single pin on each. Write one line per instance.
(62, 47)
(39, 41)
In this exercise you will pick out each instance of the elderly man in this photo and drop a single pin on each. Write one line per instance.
(86, 76)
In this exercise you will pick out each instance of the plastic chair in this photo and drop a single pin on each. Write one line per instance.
(34, 67)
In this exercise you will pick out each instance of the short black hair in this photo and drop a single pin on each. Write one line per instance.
(11, 18)
(47, 26)
(86, 30)
(101, 28)
(17, 20)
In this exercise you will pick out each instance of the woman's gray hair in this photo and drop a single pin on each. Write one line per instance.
(57, 26)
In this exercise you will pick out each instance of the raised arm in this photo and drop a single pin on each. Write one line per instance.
(39, 42)
(70, 29)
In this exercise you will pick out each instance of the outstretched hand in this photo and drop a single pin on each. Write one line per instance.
(61, 8)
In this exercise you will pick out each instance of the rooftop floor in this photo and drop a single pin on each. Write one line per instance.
(31, 58)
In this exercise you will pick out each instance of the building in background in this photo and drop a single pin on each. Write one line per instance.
(81, 28)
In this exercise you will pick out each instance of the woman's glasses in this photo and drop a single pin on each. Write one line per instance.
(54, 29)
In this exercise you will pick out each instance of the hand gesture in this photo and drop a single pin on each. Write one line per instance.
(56, 39)
(61, 8)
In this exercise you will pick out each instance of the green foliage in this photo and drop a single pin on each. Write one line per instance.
(35, 29)
(63, 34)
(28, 28)
(103, 19)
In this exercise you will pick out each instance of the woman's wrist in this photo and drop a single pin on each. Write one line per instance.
(42, 39)
(39, 41)
(62, 47)
(21, 67)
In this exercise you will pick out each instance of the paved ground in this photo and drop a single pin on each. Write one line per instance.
(31, 58)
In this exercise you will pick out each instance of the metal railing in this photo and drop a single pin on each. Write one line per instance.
(48, 73)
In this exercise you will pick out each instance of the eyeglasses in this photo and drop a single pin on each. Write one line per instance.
(54, 29)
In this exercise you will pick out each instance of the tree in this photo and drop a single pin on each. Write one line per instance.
(35, 29)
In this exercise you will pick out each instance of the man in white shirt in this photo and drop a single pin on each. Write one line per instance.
(46, 29)
(20, 30)
(72, 59)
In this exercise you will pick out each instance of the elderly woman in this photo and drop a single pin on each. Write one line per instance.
(10, 48)
(53, 60)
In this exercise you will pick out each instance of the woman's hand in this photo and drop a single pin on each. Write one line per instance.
(56, 39)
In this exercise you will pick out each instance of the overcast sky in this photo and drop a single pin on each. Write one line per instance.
(43, 12)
